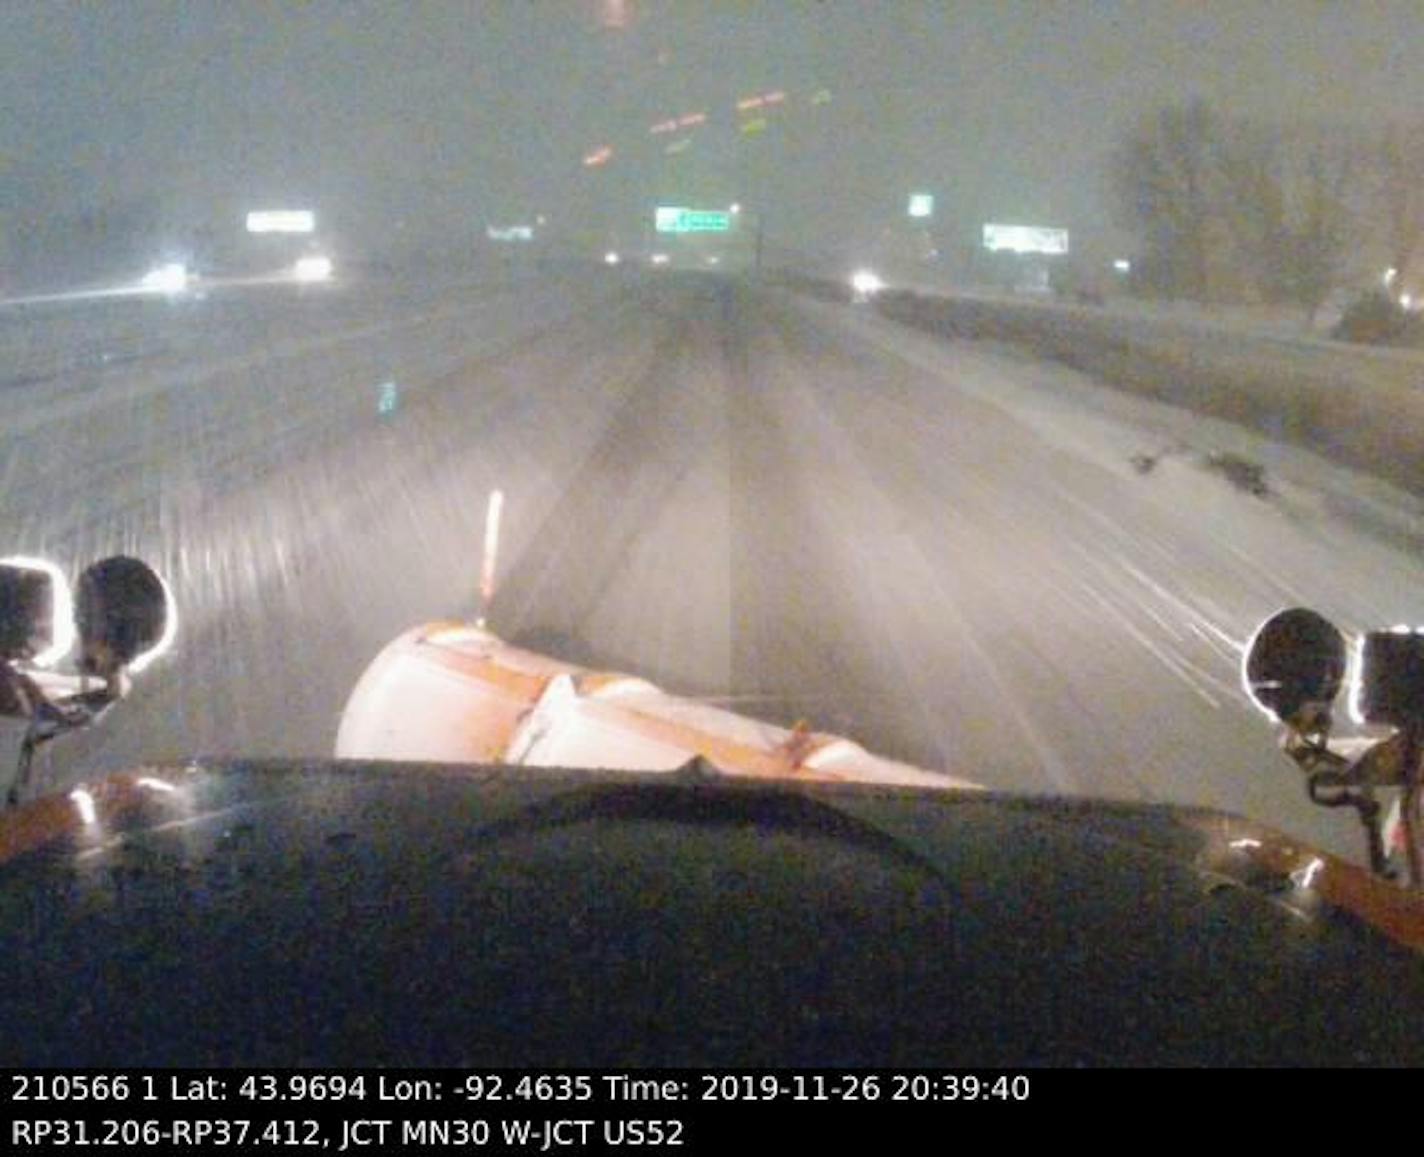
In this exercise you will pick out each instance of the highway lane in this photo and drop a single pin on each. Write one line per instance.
(792, 507)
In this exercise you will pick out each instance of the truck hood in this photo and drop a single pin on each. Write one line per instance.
(353, 913)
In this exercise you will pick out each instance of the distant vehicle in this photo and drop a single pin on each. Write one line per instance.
(1376, 318)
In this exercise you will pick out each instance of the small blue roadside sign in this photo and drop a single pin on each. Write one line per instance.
(387, 398)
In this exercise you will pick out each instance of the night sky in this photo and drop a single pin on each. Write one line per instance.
(439, 117)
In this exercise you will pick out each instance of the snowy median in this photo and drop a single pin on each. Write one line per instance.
(1359, 406)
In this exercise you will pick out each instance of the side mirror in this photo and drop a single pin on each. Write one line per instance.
(1296, 658)
(36, 618)
(125, 616)
(1391, 683)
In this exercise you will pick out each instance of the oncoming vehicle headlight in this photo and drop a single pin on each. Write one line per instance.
(312, 268)
(865, 283)
(171, 277)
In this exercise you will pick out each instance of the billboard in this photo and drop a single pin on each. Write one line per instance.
(921, 205)
(1025, 239)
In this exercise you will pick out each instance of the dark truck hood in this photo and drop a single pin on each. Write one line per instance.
(342, 914)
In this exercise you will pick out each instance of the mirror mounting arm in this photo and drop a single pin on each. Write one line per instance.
(19, 695)
(1333, 781)
(1409, 805)
(53, 705)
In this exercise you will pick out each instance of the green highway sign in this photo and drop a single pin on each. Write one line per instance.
(676, 219)
(667, 218)
(703, 221)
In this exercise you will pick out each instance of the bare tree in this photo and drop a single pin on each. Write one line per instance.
(1286, 199)
(1322, 227)
(1231, 209)
(1163, 177)
(1251, 161)
(1398, 194)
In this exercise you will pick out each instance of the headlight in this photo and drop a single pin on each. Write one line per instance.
(866, 283)
(169, 278)
(314, 268)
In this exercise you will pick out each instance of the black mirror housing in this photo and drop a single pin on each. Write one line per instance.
(1297, 657)
(29, 611)
(123, 614)
(1391, 680)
